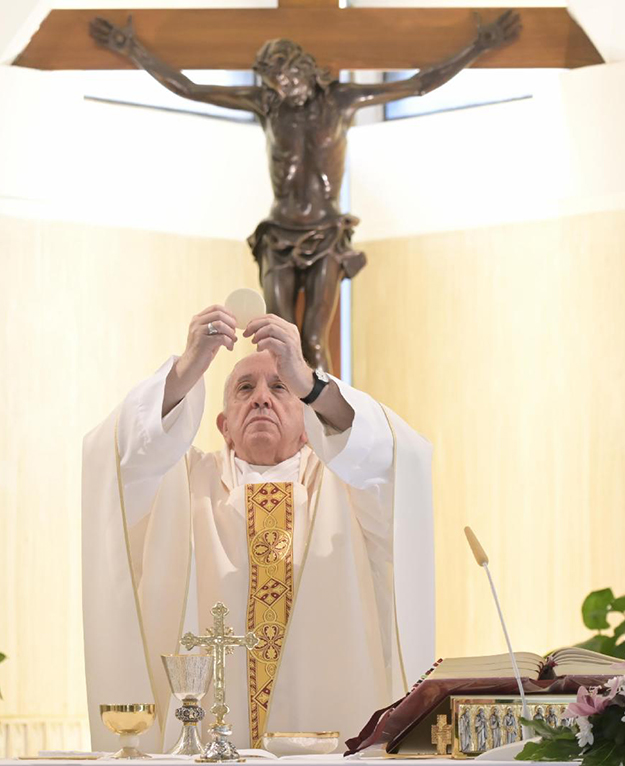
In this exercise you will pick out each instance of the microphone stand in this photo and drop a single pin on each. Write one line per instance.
(482, 560)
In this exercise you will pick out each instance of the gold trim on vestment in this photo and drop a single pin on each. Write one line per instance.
(185, 600)
(186, 593)
(122, 504)
(162, 718)
(270, 522)
(317, 492)
(399, 651)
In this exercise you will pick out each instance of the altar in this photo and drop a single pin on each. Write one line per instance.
(319, 760)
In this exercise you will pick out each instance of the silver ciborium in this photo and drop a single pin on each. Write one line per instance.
(189, 676)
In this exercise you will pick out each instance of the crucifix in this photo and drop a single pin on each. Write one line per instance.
(219, 641)
(304, 245)
(441, 735)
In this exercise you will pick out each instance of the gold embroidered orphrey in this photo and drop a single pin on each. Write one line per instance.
(269, 508)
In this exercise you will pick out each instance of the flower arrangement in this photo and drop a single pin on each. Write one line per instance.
(595, 734)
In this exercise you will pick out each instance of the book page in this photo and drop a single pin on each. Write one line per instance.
(579, 662)
(494, 666)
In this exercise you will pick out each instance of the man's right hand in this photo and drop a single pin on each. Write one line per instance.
(118, 39)
(208, 332)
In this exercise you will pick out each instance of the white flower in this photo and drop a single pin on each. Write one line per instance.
(584, 735)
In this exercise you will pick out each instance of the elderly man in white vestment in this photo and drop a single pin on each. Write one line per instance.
(313, 525)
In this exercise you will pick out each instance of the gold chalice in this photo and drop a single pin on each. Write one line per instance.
(129, 721)
(189, 676)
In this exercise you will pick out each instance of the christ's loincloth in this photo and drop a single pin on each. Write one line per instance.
(280, 246)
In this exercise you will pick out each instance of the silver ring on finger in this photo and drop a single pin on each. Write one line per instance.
(211, 329)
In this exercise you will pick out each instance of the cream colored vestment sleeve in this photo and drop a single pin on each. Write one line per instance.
(150, 445)
(362, 455)
(388, 467)
(136, 553)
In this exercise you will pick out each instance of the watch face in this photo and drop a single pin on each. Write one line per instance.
(323, 376)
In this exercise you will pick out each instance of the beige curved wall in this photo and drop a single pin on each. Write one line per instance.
(505, 346)
(86, 312)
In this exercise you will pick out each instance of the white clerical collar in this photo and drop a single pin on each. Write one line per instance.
(287, 470)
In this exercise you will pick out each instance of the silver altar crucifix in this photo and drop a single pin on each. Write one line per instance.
(219, 641)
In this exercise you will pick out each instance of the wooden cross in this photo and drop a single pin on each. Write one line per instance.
(441, 735)
(339, 38)
(219, 641)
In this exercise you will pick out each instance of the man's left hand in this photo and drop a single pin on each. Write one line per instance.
(282, 340)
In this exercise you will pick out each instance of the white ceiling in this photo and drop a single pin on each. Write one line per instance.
(604, 22)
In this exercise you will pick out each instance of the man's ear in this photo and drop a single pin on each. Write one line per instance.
(303, 439)
(222, 425)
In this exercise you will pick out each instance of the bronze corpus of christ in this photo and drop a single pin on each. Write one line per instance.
(305, 242)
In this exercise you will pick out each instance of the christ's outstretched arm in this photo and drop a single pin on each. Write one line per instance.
(122, 40)
(504, 30)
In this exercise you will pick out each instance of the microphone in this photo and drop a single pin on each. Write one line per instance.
(482, 560)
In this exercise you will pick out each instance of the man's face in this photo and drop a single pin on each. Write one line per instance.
(262, 421)
(289, 75)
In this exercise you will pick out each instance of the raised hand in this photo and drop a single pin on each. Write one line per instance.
(118, 39)
(282, 340)
(208, 332)
(503, 31)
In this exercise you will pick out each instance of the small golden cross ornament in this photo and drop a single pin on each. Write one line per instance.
(441, 735)
(219, 641)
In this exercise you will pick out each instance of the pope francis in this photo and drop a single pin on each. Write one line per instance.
(313, 525)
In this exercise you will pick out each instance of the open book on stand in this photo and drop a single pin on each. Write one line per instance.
(564, 662)
(484, 690)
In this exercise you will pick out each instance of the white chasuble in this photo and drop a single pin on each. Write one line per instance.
(165, 537)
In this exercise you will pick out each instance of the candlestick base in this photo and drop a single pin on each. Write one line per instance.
(221, 750)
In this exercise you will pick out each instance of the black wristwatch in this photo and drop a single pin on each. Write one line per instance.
(321, 380)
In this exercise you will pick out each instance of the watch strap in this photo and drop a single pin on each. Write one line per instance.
(317, 388)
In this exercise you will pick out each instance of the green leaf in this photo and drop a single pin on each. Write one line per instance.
(618, 605)
(608, 725)
(601, 644)
(619, 651)
(609, 644)
(550, 750)
(605, 754)
(549, 732)
(540, 727)
(619, 630)
(564, 732)
(596, 607)
(529, 752)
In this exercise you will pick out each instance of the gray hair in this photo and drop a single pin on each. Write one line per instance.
(226, 386)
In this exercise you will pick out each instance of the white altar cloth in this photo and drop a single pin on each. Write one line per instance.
(319, 760)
